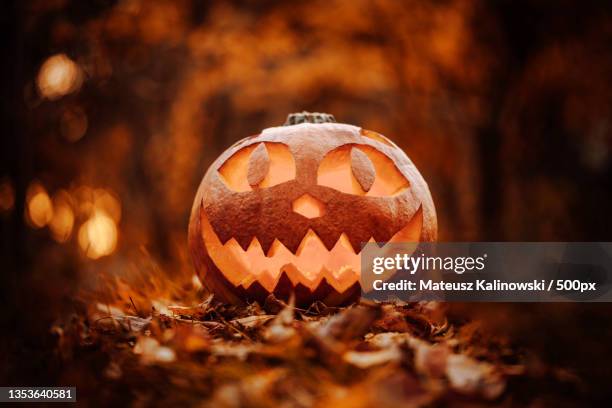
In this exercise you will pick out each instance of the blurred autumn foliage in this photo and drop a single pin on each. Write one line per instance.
(505, 107)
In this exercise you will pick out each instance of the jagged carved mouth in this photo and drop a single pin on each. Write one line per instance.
(311, 262)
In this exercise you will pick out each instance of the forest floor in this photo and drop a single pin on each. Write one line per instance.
(368, 354)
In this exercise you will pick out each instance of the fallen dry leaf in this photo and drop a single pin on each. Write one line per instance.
(465, 374)
(472, 377)
(389, 354)
(152, 352)
(367, 359)
(281, 329)
(253, 321)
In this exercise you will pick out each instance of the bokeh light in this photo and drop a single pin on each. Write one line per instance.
(106, 201)
(62, 223)
(58, 76)
(39, 206)
(98, 235)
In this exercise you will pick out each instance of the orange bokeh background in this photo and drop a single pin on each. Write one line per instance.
(116, 109)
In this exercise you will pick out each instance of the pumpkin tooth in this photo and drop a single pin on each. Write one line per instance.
(336, 281)
(268, 280)
(275, 248)
(329, 240)
(263, 279)
(283, 286)
(355, 243)
(343, 241)
(243, 242)
(255, 291)
(327, 276)
(284, 243)
(247, 281)
(291, 244)
(295, 275)
(371, 240)
(266, 244)
(223, 242)
(255, 246)
(310, 241)
(342, 277)
(378, 242)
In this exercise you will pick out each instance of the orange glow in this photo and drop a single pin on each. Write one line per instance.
(107, 202)
(89, 200)
(335, 171)
(84, 201)
(58, 76)
(62, 223)
(39, 206)
(7, 196)
(308, 206)
(309, 265)
(282, 165)
(234, 172)
(376, 136)
(98, 235)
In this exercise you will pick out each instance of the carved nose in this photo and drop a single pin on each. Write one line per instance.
(308, 206)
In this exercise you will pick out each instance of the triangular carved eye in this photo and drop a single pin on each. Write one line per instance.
(258, 166)
(361, 170)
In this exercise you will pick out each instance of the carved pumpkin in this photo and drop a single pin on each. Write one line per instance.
(287, 211)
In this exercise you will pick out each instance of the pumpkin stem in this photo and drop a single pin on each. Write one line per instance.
(309, 117)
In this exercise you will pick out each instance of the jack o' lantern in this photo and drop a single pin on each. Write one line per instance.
(287, 211)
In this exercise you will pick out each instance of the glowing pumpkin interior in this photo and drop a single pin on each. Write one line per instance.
(340, 266)
(341, 171)
(351, 169)
(265, 165)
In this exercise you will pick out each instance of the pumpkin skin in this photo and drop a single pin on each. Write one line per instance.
(287, 211)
